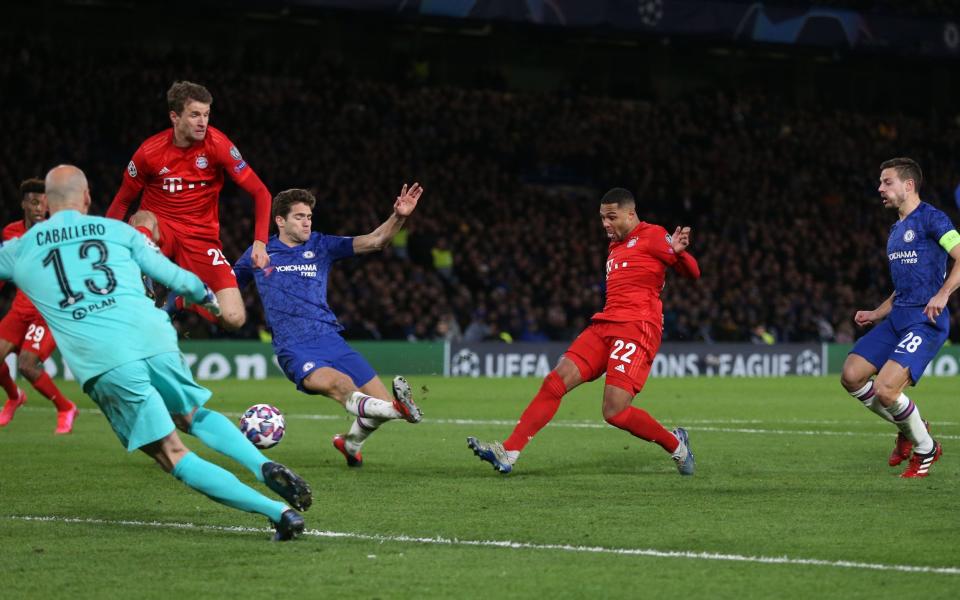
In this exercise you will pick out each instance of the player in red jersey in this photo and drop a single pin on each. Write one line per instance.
(180, 172)
(621, 341)
(24, 331)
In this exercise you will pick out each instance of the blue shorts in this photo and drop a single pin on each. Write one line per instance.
(907, 337)
(138, 397)
(325, 351)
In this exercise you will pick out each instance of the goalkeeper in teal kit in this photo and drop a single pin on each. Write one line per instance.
(83, 273)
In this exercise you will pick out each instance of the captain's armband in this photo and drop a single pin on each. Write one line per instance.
(949, 240)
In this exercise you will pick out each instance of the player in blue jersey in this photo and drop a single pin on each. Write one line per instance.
(83, 274)
(913, 323)
(306, 334)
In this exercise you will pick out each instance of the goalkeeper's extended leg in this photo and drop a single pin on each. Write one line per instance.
(219, 433)
(213, 481)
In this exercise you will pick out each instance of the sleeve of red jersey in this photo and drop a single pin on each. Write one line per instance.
(687, 266)
(130, 188)
(242, 174)
(683, 263)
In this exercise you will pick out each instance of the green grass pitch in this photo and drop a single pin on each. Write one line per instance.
(792, 499)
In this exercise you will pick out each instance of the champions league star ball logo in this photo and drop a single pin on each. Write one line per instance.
(465, 363)
(234, 153)
(808, 363)
(909, 236)
(650, 11)
(132, 170)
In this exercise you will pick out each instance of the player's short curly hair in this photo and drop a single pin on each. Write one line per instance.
(34, 185)
(182, 92)
(284, 201)
(619, 196)
(906, 168)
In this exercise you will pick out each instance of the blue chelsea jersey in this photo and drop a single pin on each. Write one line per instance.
(293, 287)
(917, 253)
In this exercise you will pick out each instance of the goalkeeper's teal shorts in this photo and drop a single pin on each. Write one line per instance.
(138, 397)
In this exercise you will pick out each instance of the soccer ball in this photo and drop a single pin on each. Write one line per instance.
(263, 425)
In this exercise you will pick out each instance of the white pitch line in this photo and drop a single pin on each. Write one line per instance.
(511, 545)
(601, 425)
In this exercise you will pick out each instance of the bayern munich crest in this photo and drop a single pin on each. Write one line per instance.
(632, 242)
(202, 162)
(909, 236)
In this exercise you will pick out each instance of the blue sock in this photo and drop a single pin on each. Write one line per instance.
(218, 433)
(222, 486)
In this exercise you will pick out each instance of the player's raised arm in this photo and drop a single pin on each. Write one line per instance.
(686, 264)
(403, 207)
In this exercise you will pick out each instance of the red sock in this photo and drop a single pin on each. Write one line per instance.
(6, 381)
(45, 386)
(538, 413)
(641, 424)
(145, 231)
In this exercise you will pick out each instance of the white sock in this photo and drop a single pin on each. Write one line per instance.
(867, 396)
(362, 405)
(907, 417)
(360, 430)
(512, 455)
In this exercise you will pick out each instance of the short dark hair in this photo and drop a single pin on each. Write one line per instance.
(182, 92)
(619, 196)
(34, 185)
(284, 201)
(906, 168)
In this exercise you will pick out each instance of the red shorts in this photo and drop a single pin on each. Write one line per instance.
(624, 351)
(203, 255)
(28, 332)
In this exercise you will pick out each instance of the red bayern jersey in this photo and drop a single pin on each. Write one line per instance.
(21, 304)
(636, 272)
(182, 185)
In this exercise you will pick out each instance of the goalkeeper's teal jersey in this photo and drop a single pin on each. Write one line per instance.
(83, 274)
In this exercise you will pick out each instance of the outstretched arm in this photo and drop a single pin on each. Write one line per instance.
(403, 207)
(159, 268)
(686, 264)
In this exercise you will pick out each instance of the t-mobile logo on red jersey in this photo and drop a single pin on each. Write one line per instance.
(176, 184)
(612, 266)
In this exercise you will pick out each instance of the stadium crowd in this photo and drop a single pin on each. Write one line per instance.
(507, 244)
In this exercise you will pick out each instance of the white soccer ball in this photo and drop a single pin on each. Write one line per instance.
(263, 425)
